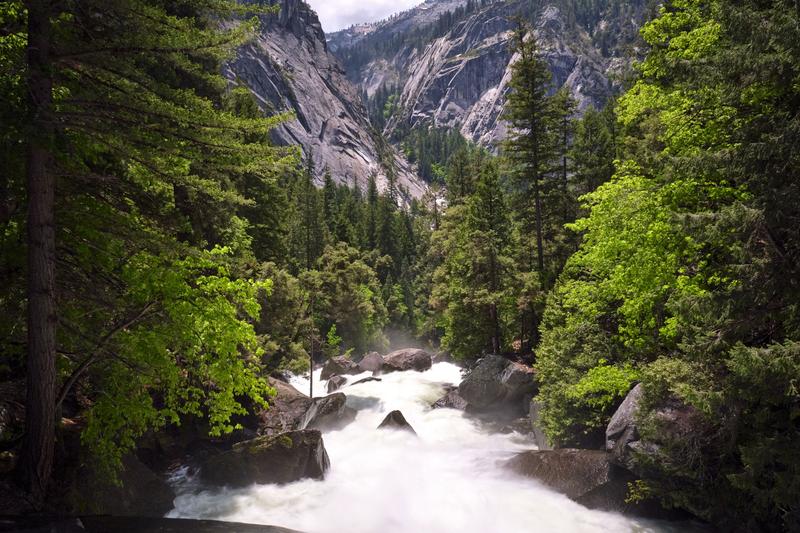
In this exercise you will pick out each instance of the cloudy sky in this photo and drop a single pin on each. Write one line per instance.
(338, 14)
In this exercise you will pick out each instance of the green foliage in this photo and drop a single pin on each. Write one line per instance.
(346, 295)
(603, 385)
(472, 289)
(195, 351)
(682, 279)
(333, 341)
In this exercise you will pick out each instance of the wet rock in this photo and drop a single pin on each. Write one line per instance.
(451, 400)
(497, 383)
(407, 359)
(621, 431)
(372, 362)
(280, 458)
(396, 420)
(339, 366)
(285, 412)
(140, 492)
(362, 403)
(572, 472)
(335, 383)
(367, 380)
(535, 420)
(330, 412)
(588, 477)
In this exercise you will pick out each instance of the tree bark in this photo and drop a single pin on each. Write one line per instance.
(36, 459)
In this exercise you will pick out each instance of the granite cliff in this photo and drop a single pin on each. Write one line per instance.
(447, 62)
(289, 68)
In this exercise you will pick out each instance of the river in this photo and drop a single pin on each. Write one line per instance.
(386, 481)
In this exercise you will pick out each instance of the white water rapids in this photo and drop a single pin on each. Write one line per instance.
(386, 481)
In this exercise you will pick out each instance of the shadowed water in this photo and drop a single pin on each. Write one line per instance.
(445, 480)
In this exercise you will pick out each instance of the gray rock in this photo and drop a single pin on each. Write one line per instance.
(140, 492)
(451, 400)
(407, 359)
(289, 69)
(534, 416)
(396, 420)
(280, 458)
(367, 380)
(335, 383)
(621, 431)
(330, 412)
(460, 80)
(497, 384)
(285, 412)
(339, 366)
(372, 362)
(572, 472)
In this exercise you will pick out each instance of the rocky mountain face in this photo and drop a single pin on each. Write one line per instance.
(458, 77)
(289, 68)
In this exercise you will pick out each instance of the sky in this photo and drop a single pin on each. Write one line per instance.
(339, 14)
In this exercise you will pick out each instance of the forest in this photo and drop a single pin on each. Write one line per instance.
(161, 257)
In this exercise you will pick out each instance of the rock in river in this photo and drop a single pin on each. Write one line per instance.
(286, 410)
(339, 366)
(272, 459)
(372, 362)
(407, 359)
(335, 383)
(396, 420)
(497, 383)
(330, 412)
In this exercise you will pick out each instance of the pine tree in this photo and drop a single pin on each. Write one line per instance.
(123, 103)
(531, 152)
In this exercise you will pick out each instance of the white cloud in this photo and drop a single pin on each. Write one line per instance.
(338, 14)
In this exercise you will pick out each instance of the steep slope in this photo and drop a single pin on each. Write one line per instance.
(458, 79)
(289, 68)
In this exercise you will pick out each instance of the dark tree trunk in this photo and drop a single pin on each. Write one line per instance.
(539, 239)
(495, 328)
(36, 459)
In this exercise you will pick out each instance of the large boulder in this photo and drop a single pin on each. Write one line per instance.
(535, 417)
(621, 431)
(330, 412)
(396, 420)
(280, 458)
(407, 359)
(335, 383)
(451, 400)
(140, 491)
(372, 362)
(498, 384)
(339, 366)
(285, 412)
(572, 472)
(588, 477)
(670, 422)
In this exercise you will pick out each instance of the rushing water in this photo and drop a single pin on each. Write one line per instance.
(386, 481)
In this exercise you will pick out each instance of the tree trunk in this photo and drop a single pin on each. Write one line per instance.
(539, 241)
(495, 328)
(36, 460)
